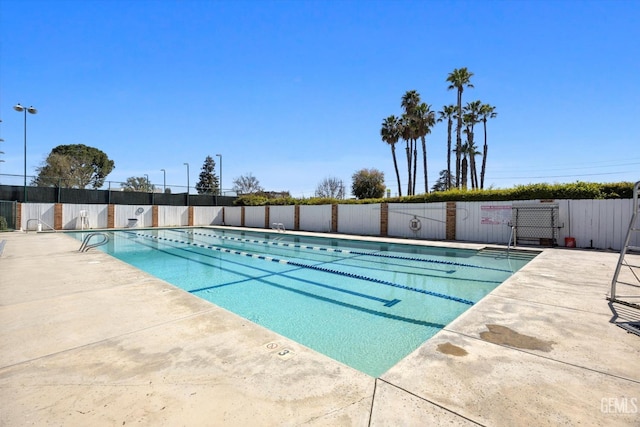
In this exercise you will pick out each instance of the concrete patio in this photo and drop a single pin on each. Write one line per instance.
(88, 340)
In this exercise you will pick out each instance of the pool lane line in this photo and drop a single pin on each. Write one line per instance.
(343, 263)
(263, 279)
(290, 246)
(312, 267)
(348, 251)
(386, 302)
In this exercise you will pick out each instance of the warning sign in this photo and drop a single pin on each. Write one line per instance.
(495, 214)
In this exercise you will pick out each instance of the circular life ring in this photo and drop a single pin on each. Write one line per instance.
(415, 224)
(139, 211)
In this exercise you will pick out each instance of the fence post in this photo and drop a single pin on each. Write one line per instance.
(154, 216)
(334, 218)
(384, 219)
(111, 216)
(451, 221)
(57, 216)
(296, 217)
(266, 216)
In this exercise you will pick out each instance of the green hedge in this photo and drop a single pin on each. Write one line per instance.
(575, 191)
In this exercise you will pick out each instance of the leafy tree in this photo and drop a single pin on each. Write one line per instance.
(448, 113)
(331, 187)
(246, 184)
(74, 166)
(368, 184)
(390, 134)
(208, 183)
(458, 79)
(138, 183)
(486, 112)
(445, 181)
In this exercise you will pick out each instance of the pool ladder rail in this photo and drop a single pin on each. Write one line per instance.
(85, 246)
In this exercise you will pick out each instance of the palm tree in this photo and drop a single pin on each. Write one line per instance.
(448, 113)
(410, 101)
(425, 120)
(470, 118)
(486, 112)
(390, 133)
(408, 132)
(459, 78)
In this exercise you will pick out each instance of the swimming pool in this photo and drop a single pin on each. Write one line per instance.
(366, 304)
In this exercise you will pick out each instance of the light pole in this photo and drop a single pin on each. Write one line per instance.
(220, 156)
(146, 184)
(164, 180)
(19, 108)
(187, 165)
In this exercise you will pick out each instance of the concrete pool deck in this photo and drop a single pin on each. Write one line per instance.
(88, 340)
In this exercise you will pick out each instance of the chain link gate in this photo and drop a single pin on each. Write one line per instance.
(537, 223)
(8, 215)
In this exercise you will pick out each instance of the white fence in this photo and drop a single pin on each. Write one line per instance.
(600, 224)
(315, 218)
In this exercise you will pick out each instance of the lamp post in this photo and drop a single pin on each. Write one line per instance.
(187, 165)
(146, 184)
(164, 180)
(19, 108)
(220, 156)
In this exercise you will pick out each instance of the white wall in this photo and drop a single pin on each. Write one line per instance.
(486, 222)
(315, 218)
(44, 212)
(123, 213)
(97, 216)
(233, 216)
(431, 218)
(172, 216)
(254, 216)
(601, 224)
(359, 219)
(285, 215)
(207, 215)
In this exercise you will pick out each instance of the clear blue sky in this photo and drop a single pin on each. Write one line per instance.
(295, 91)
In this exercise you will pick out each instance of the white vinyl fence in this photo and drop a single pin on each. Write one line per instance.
(599, 224)
(315, 218)
(285, 215)
(418, 220)
(207, 215)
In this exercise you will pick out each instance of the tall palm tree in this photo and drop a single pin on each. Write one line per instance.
(486, 112)
(448, 113)
(410, 101)
(425, 120)
(470, 119)
(458, 79)
(390, 134)
(408, 133)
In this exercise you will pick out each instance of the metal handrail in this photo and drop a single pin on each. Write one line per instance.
(625, 247)
(39, 222)
(85, 246)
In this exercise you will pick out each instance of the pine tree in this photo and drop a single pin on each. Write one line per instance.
(208, 183)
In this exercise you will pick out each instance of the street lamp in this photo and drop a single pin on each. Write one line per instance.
(19, 108)
(146, 184)
(187, 165)
(164, 180)
(220, 155)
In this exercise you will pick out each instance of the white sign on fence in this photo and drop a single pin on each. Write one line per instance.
(495, 214)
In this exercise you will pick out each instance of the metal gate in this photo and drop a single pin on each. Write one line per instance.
(536, 222)
(8, 215)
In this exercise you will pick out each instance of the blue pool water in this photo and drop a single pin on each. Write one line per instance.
(366, 304)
